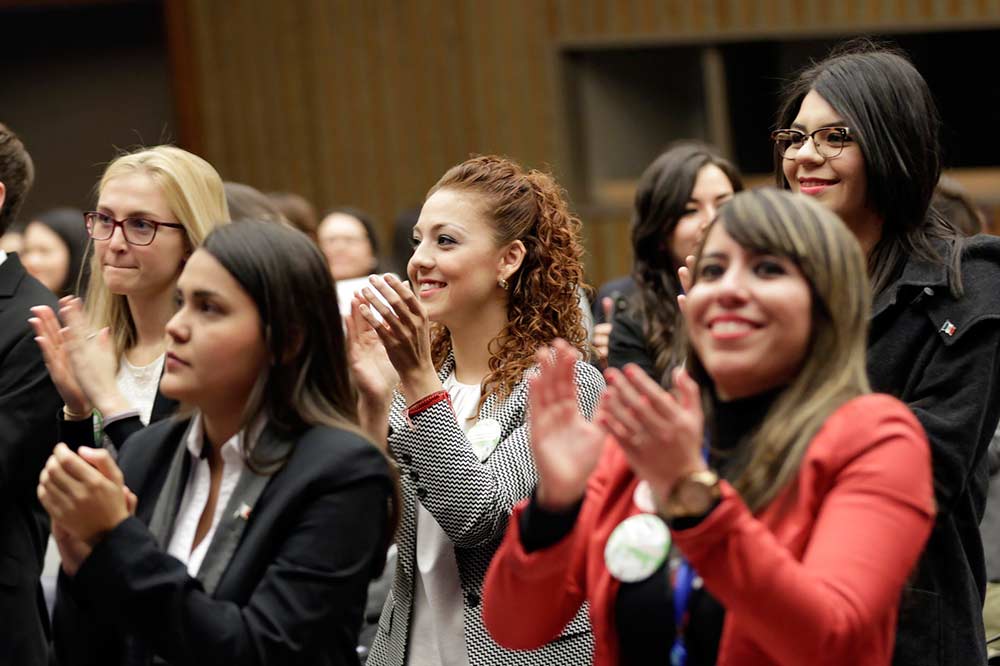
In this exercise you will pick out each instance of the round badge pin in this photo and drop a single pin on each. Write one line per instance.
(637, 547)
(484, 437)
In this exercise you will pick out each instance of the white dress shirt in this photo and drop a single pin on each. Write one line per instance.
(437, 636)
(196, 493)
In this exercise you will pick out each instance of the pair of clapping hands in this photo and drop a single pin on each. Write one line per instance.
(659, 432)
(389, 344)
(85, 496)
(80, 362)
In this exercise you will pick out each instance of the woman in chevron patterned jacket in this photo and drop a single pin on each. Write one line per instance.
(442, 372)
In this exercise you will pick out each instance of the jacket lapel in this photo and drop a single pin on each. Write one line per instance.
(236, 516)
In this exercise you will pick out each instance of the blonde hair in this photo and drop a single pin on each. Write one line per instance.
(193, 191)
(833, 370)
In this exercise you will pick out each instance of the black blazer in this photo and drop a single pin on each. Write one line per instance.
(292, 593)
(27, 435)
(81, 433)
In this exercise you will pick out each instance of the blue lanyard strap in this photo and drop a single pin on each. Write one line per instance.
(683, 584)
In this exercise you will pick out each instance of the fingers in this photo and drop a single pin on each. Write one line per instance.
(131, 501)
(608, 305)
(686, 272)
(405, 293)
(71, 463)
(101, 460)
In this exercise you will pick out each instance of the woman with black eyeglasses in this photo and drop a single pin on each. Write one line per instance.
(859, 132)
(155, 206)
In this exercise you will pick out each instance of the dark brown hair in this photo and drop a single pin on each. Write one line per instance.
(661, 198)
(17, 173)
(307, 383)
(894, 119)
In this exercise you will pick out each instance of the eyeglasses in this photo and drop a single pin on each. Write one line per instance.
(136, 230)
(828, 141)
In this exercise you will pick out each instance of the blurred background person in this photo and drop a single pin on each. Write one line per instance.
(348, 240)
(953, 202)
(55, 248)
(676, 198)
(248, 203)
(297, 210)
(12, 240)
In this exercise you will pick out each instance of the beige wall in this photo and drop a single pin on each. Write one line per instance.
(367, 102)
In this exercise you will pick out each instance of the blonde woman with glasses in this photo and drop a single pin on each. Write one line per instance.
(154, 208)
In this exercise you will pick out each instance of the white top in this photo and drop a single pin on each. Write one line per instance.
(3, 257)
(138, 384)
(437, 633)
(196, 493)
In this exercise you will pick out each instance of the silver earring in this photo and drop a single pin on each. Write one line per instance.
(503, 284)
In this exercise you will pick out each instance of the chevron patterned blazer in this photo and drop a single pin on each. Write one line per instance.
(471, 500)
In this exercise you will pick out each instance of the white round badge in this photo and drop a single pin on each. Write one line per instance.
(637, 548)
(484, 437)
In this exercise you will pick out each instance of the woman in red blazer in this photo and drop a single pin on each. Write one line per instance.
(797, 503)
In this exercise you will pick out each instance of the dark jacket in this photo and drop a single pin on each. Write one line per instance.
(627, 344)
(941, 356)
(28, 400)
(81, 433)
(293, 591)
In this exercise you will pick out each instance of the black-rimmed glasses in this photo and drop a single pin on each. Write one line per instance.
(827, 141)
(137, 231)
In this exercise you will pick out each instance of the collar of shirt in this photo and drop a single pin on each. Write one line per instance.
(231, 448)
(3, 257)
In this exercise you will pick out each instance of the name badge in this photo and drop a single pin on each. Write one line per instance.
(484, 437)
(637, 548)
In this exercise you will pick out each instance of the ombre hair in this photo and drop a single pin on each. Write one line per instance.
(542, 299)
(833, 371)
(193, 191)
(306, 382)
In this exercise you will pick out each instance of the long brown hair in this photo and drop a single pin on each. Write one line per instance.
(661, 198)
(543, 301)
(307, 382)
(833, 370)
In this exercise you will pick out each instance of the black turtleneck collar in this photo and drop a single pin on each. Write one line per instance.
(734, 420)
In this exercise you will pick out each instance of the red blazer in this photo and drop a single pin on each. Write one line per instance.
(815, 578)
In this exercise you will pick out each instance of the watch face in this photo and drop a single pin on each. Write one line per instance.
(693, 497)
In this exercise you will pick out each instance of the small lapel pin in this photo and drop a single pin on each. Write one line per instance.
(243, 512)
(948, 328)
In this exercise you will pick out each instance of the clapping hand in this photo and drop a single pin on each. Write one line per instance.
(49, 336)
(404, 332)
(566, 446)
(660, 432)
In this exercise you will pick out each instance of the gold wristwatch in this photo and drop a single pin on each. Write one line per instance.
(693, 494)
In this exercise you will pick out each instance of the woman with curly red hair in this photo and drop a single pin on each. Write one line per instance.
(495, 271)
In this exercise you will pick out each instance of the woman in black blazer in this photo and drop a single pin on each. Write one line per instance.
(257, 520)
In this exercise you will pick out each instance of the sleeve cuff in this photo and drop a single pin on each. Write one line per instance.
(540, 529)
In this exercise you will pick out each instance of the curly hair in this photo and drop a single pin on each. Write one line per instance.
(543, 302)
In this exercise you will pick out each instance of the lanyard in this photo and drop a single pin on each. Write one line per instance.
(683, 584)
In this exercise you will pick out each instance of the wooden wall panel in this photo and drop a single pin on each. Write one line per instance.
(368, 102)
